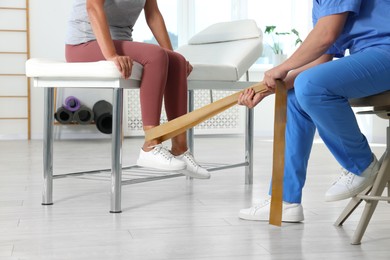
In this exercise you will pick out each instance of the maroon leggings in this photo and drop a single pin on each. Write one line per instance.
(164, 75)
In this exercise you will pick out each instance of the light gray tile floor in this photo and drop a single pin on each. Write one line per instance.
(174, 218)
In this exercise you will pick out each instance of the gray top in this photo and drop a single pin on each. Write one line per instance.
(121, 16)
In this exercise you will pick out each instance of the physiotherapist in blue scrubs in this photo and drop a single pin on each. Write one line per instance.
(319, 89)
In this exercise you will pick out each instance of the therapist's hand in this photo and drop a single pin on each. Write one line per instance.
(124, 65)
(250, 99)
(270, 77)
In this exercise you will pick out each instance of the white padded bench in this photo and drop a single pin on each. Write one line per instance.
(220, 55)
(50, 74)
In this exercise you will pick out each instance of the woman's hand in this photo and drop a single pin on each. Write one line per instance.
(250, 99)
(124, 65)
(189, 68)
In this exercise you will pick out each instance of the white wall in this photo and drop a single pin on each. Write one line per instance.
(47, 25)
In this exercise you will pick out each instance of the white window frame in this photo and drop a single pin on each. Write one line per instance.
(186, 17)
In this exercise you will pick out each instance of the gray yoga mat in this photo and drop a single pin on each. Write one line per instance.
(63, 115)
(83, 116)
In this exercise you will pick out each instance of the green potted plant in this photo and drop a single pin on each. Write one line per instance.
(277, 41)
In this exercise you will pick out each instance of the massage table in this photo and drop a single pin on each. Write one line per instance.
(221, 54)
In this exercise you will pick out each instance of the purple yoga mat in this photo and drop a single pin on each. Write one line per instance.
(72, 103)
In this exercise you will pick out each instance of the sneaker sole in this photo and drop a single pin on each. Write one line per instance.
(290, 219)
(195, 175)
(160, 167)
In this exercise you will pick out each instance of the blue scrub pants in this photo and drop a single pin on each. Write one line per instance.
(319, 100)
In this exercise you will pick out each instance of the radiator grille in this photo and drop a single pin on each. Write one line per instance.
(229, 121)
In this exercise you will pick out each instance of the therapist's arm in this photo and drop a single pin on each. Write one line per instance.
(319, 40)
(250, 99)
(290, 78)
(99, 23)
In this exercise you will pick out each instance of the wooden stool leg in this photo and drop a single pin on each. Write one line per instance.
(348, 210)
(377, 190)
(363, 223)
(352, 205)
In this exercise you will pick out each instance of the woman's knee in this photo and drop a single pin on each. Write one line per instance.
(159, 55)
(177, 59)
(144, 53)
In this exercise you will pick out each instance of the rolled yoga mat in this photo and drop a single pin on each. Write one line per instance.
(83, 115)
(103, 116)
(63, 115)
(72, 103)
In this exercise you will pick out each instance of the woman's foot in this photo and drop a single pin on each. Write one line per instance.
(161, 159)
(193, 169)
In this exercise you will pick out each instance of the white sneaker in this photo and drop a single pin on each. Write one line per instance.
(193, 169)
(292, 212)
(349, 184)
(160, 158)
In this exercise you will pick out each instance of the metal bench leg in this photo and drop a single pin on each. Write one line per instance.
(116, 151)
(249, 146)
(190, 132)
(47, 194)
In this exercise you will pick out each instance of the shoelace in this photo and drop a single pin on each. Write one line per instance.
(190, 157)
(160, 149)
(262, 204)
(345, 177)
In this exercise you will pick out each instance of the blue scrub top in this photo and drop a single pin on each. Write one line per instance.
(368, 23)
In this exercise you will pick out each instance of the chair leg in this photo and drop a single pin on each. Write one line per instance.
(377, 190)
(363, 223)
(348, 210)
